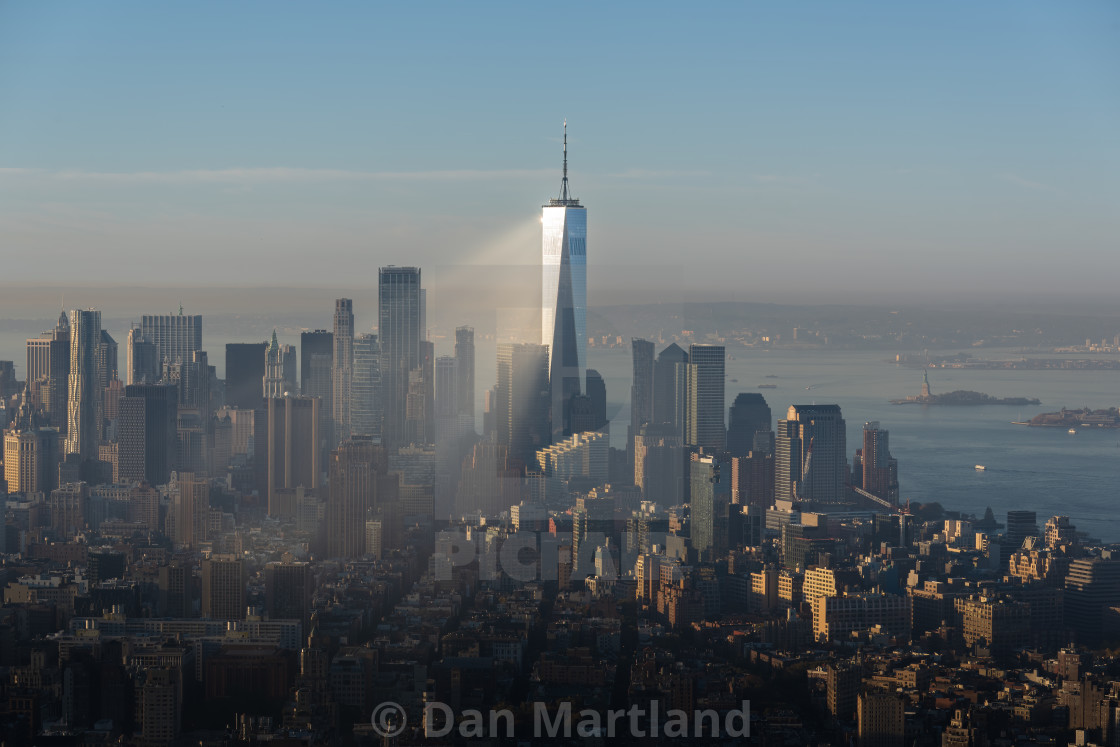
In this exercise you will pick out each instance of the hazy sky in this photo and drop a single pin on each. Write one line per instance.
(758, 149)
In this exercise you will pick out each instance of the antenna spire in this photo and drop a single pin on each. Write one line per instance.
(565, 196)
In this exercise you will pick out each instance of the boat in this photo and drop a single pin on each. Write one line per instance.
(1072, 431)
(767, 386)
(980, 468)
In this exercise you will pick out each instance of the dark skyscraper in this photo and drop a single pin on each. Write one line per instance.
(704, 425)
(665, 386)
(748, 415)
(293, 449)
(365, 390)
(146, 443)
(318, 342)
(357, 469)
(399, 327)
(879, 469)
(245, 366)
(464, 356)
(641, 391)
(342, 372)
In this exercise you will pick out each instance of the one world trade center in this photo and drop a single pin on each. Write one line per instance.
(564, 300)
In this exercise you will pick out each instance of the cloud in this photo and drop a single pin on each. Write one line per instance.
(271, 175)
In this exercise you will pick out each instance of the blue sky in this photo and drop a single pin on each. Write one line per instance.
(855, 147)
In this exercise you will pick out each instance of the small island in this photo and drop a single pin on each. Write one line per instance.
(1083, 418)
(960, 397)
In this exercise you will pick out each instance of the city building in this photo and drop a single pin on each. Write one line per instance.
(315, 342)
(84, 402)
(641, 391)
(147, 435)
(31, 453)
(223, 587)
(293, 449)
(365, 389)
(1021, 524)
(245, 367)
(358, 470)
(175, 336)
(810, 461)
(564, 299)
(464, 356)
(882, 720)
(749, 415)
(704, 424)
(660, 464)
(342, 371)
(142, 361)
(668, 388)
(48, 369)
(279, 369)
(400, 327)
(710, 497)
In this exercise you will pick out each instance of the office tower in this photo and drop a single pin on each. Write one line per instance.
(581, 459)
(317, 342)
(749, 414)
(596, 390)
(30, 452)
(880, 470)
(882, 720)
(84, 400)
(146, 441)
(704, 424)
(420, 400)
(189, 512)
(522, 411)
(1020, 525)
(490, 412)
(810, 460)
(666, 406)
(223, 588)
(464, 356)
(1092, 586)
(68, 512)
(449, 457)
(358, 470)
(641, 391)
(709, 499)
(160, 706)
(293, 449)
(48, 368)
(564, 301)
(321, 386)
(752, 478)
(142, 361)
(399, 326)
(279, 369)
(175, 336)
(342, 370)
(244, 374)
(365, 389)
(287, 591)
(192, 379)
(659, 464)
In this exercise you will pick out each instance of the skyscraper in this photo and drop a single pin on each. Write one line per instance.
(665, 386)
(293, 449)
(48, 365)
(399, 326)
(522, 407)
(175, 336)
(879, 474)
(146, 448)
(30, 453)
(357, 469)
(641, 391)
(279, 369)
(564, 302)
(244, 374)
(464, 355)
(749, 414)
(142, 362)
(704, 424)
(317, 342)
(810, 459)
(343, 368)
(223, 587)
(449, 457)
(710, 496)
(84, 400)
(365, 390)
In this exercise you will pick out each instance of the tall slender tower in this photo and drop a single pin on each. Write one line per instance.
(400, 315)
(564, 301)
(343, 369)
(84, 401)
(464, 355)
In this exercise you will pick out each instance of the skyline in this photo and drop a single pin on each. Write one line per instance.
(869, 148)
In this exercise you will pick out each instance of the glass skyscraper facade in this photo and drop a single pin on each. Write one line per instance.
(564, 300)
(400, 318)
